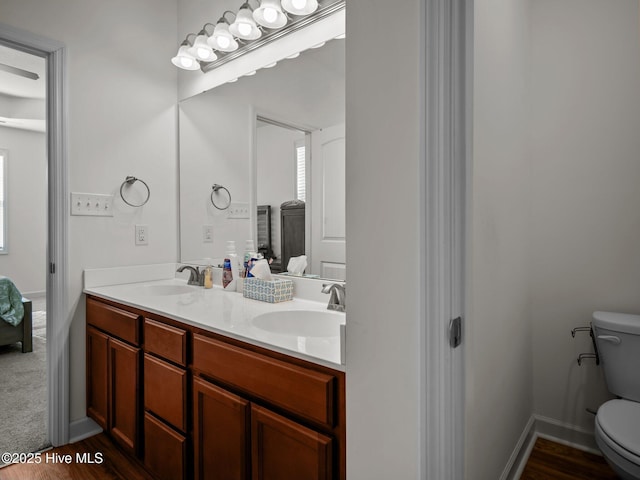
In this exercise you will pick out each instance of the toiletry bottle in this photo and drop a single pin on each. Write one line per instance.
(227, 275)
(208, 274)
(232, 286)
(248, 254)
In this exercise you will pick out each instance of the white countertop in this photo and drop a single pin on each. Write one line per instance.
(229, 314)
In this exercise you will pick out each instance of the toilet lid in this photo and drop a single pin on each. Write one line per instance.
(620, 420)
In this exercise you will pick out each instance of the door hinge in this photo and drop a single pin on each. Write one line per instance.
(52, 267)
(455, 332)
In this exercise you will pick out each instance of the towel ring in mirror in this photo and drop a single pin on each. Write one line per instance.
(215, 190)
(130, 181)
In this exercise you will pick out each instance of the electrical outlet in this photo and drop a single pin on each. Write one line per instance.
(239, 210)
(92, 204)
(142, 234)
(207, 233)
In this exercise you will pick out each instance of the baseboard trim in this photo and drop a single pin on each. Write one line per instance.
(566, 434)
(551, 429)
(521, 452)
(83, 428)
(35, 294)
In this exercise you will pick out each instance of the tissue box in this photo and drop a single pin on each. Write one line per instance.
(274, 291)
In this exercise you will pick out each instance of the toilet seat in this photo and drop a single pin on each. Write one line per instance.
(620, 421)
(618, 436)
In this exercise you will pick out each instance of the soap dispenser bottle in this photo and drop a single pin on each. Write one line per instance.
(208, 274)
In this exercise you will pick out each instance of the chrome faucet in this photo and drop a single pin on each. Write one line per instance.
(196, 277)
(338, 298)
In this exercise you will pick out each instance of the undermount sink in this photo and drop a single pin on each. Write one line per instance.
(164, 290)
(301, 323)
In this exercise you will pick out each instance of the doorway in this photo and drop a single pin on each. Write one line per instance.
(23, 248)
(56, 287)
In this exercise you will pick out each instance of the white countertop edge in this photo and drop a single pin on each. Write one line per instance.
(292, 353)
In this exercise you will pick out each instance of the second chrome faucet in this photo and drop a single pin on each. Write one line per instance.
(338, 296)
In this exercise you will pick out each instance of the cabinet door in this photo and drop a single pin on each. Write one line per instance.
(220, 433)
(97, 379)
(283, 449)
(124, 368)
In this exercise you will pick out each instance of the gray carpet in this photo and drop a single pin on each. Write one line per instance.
(23, 394)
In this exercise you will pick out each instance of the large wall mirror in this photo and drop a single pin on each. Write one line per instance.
(276, 142)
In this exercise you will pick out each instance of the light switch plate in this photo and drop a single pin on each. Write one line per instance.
(92, 204)
(239, 210)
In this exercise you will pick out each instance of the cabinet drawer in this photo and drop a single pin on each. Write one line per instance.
(116, 322)
(300, 390)
(165, 450)
(165, 388)
(165, 341)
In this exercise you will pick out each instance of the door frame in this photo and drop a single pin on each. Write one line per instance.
(446, 68)
(276, 120)
(59, 320)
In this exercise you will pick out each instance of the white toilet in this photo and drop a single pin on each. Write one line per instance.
(618, 421)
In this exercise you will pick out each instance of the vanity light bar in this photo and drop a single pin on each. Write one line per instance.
(250, 28)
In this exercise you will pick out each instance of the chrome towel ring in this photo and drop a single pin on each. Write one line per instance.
(130, 181)
(215, 190)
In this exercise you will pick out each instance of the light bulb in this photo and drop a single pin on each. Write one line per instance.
(203, 53)
(186, 62)
(270, 15)
(184, 59)
(299, 4)
(244, 29)
(223, 42)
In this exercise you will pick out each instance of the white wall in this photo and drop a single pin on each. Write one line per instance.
(25, 263)
(383, 155)
(585, 174)
(499, 382)
(122, 121)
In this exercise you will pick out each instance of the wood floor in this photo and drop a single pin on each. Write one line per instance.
(115, 465)
(548, 461)
(553, 461)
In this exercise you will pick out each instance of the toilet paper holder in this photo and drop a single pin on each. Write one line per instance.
(583, 356)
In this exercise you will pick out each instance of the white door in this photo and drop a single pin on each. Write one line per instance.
(326, 210)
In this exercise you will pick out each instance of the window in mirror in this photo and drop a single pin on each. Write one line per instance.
(301, 179)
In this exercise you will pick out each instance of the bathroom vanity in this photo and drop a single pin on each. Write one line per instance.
(195, 392)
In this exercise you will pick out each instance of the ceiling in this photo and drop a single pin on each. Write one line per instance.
(20, 95)
(16, 85)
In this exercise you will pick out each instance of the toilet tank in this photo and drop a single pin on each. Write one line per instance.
(618, 339)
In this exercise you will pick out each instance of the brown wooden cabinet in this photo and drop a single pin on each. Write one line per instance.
(113, 373)
(298, 442)
(282, 448)
(124, 397)
(235, 439)
(220, 433)
(165, 400)
(198, 404)
(165, 450)
(97, 376)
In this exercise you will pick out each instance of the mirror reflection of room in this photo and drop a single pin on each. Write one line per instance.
(272, 139)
